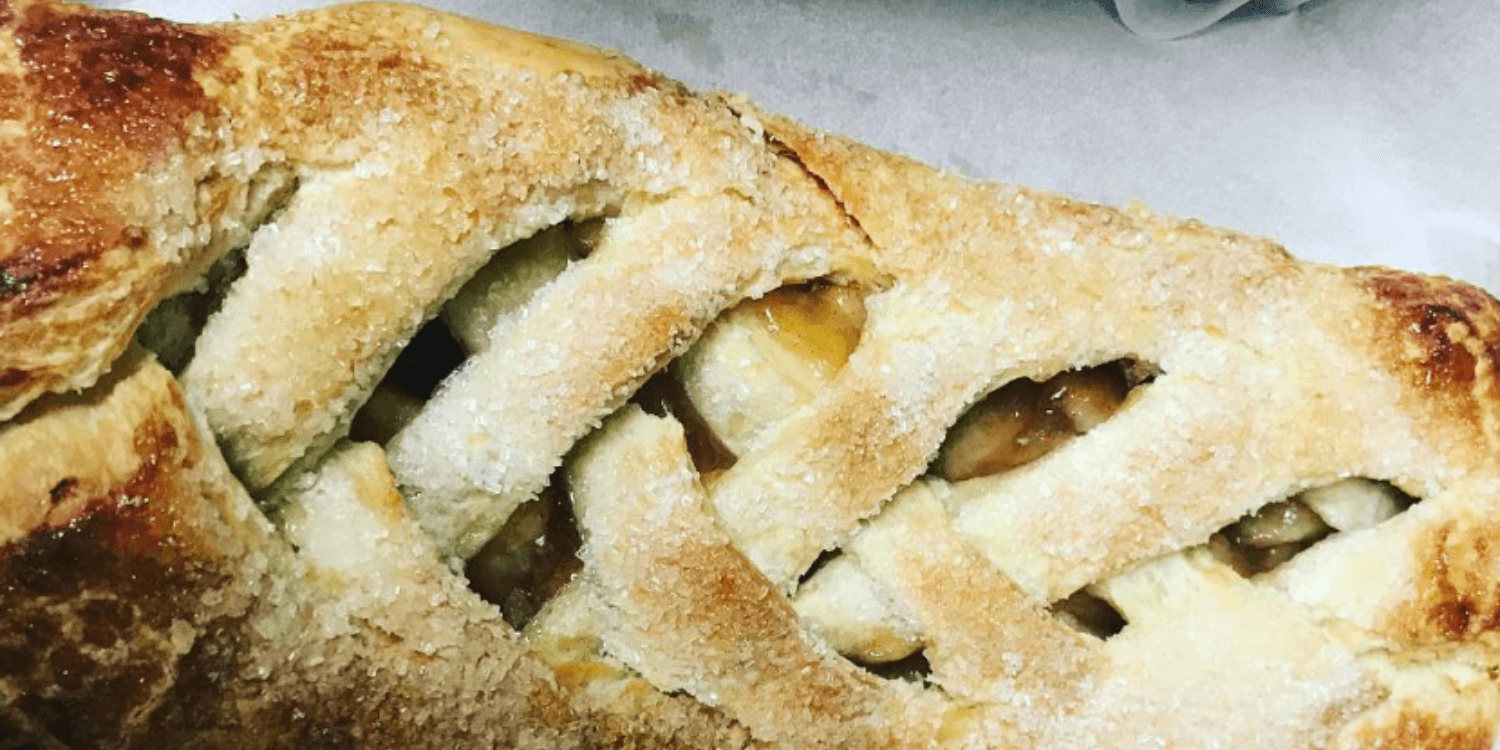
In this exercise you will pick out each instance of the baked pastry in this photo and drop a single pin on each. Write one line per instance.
(760, 437)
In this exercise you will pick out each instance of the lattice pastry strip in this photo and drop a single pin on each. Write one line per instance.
(1193, 622)
(991, 644)
(1418, 578)
(1073, 692)
(688, 610)
(653, 281)
(359, 227)
(1128, 492)
(923, 357)
(1123, 481)
(499, 292)
(751, 368)
(171, 611)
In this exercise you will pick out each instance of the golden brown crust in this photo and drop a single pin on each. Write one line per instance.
(373, 157)
(1447, 348)
(155, 604)
(139, 556)
(1419, 730)
(97, 106)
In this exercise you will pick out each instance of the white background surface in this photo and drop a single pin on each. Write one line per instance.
(1353, 131)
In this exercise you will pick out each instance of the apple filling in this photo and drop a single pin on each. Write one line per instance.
(819, 321)
(532, 557)
(1268, 538)
(765, 358)
(802, 335)
(1025, 420)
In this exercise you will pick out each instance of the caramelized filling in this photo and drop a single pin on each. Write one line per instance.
(765, 358)
(1264, 540)
(532, 557)
(819, 320)
(1089, 614)
(1269, 537)
(1025, 420)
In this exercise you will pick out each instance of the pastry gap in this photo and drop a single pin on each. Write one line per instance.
(513, 275)
(1025, 420)
(535, 553)
(463, 326)
(822, 561)
(1268, 538)
(423, 364)
(171, 329)
(663, 395)
(803, 333)
(1090, 614)
(913, 668)
(531, 558)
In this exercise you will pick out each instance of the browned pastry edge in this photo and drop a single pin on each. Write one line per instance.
(102, 101)
(1440, 335)
(1446, 344)
(161, 610)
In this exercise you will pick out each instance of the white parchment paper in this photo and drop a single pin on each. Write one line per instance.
(1353, 131)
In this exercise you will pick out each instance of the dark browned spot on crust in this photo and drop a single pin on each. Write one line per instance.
(652, 81)
(67, 684)
(194, 704)
(104, 94)
(12, 284)
(62, 490)
(103, 98)
(133, 237)
(33, 279)
(6, 15)
(214, 703)
(12, 377)
(119, 73)
(97, 602)
(1414, 729)
(1458, 593)
(1452, 326)
(10, 97)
